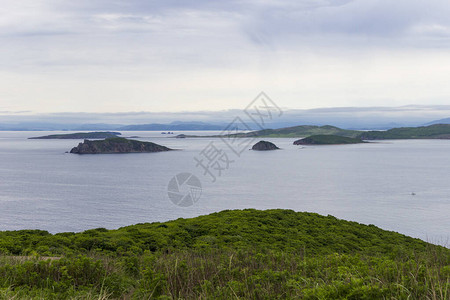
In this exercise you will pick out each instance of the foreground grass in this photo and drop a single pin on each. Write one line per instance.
(249, 254)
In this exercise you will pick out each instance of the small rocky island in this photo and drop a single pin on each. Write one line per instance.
(328, 140)
(78, 136)
(264, 146)
(117, 145)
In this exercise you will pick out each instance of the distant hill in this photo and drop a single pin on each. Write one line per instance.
(441, 121)
(78, 136)
(97, 126)
(175, 126)
(327, 140)
(300, 131)
(438, 131)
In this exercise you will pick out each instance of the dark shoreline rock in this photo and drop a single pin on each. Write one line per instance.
(264, 146)
(117, 145)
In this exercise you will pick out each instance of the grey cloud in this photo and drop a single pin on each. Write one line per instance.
(110, 50)
(388, 21)
(357, 17)
(103, 32)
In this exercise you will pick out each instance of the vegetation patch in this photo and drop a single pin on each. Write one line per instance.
(116, 145)
(438, 131)
(328, 140)
(248, 254)
(78, 136)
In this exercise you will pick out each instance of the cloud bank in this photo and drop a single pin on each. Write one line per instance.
(116, 56)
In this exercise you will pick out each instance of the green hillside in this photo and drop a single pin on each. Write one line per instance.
(240, 254)
(327, 140)
(300, 131)
(438, 131)
(79, 136)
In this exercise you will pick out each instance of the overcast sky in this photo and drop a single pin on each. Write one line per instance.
(143, 55)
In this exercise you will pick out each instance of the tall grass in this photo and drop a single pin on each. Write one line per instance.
(220, 274)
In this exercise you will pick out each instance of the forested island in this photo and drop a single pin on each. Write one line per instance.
(299, 131)
(287, 132)
(437, 131)
(117, 145)
(328, 140)
(239, 254)
(78, 136)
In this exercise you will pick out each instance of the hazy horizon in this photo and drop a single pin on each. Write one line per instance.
(346, 117)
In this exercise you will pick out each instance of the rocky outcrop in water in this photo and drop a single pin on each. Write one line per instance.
(264, 146)
(117, 145)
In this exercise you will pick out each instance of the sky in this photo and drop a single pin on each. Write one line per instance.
(99, 56)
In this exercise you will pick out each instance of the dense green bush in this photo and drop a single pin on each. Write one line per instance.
(253, 254)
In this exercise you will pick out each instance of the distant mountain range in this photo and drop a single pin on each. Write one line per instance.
(290, 121)
(174, 126)
(441, 121)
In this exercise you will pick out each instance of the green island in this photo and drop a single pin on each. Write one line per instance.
(300, 131)
(328, 140)
(234, 254)
(438, 131)
(78, 136)
(287, 132)
(117, 145)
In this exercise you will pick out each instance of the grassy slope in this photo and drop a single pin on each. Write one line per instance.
(424, 132)
(300, 131)
(243, 253)
(432, 131)
(328, 140)
(80, 135)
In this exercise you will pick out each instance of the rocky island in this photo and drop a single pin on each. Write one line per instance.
(328, 140)
(117, 145)
(264, 146)
(78, 136)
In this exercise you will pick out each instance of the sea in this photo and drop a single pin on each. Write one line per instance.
(397, 185)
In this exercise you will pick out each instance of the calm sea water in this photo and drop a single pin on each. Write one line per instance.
(42, 187)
